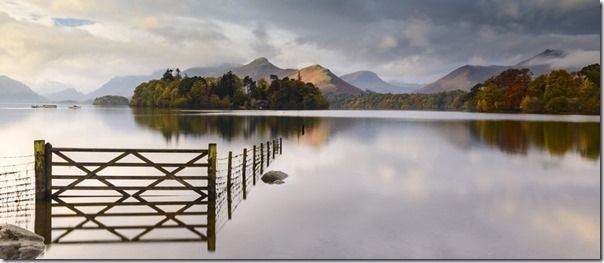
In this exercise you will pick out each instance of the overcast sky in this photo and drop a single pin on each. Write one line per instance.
(85, 43)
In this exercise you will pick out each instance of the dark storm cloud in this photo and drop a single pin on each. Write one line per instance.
(444, 34)
(410, 41)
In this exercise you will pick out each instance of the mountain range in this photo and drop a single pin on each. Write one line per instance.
(368, 80)
(68, 94)
(465, 77)
(14, 91)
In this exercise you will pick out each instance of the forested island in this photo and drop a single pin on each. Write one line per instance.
(512, 91)
(227, 92)
(110, 100)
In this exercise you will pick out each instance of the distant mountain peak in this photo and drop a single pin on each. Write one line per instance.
(260, 61)
(369, 80)
(553, 53)
(317, 67)
(325, 80)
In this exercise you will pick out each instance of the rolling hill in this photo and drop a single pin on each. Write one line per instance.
(325, 80)
(368, 80)
(14, 91)
(261, 68)
(122, 85)
(465, 77)
(68, 94)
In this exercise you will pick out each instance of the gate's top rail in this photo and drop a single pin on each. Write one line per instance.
(61, 149)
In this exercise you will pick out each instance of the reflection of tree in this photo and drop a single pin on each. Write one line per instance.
(172, 124)
(557, 138)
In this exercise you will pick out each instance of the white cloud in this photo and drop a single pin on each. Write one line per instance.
(388, 42)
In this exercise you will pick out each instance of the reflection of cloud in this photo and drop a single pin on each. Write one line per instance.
(565, 224)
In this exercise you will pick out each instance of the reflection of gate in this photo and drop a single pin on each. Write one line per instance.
(71, 189)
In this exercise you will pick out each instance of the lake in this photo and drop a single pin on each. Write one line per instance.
(364, 184)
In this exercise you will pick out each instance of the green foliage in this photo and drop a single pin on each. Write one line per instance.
(110, 100)
(228, 91)
(558, 92)
(450, 100)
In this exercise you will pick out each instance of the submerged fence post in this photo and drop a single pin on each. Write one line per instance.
(243, 177)
(211, 221)
(274, 147)
(268, 153)
(229, 184)
(43, 184)
(261, 158)
(254, 165)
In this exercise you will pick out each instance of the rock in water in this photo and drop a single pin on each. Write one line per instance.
(19, 243)
(274, 177)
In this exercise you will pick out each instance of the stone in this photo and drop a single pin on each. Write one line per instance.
(19, 243)
(274, 177)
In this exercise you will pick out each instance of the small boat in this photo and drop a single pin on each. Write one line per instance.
(45, 106)
(74, 107)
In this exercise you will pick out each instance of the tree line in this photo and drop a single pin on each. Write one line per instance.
(513, 91)
(227, 92)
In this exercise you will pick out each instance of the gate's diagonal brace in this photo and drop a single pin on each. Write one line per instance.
(90, 174)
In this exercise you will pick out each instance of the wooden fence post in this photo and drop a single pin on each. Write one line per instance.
(43, 184)
(229, 184)
(280, 146)
(274, 148)
(243, 175)
(254, 165)
(268, 153)
(261, 158)
(211, 221)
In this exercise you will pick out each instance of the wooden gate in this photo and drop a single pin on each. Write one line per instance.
(65, 184)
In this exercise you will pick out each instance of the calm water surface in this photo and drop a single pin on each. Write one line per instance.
(366, 184)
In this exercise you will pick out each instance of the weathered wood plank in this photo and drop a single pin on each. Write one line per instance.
(136, 203)
(243, 174)
(211, 219)
(133, 241)
(125, 227)
(132, 214)
(130, 164)
(118, 150)
(146, 188)
(229, 185)
(129, 177)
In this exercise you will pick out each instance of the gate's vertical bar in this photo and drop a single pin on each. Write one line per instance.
(274, 148)
(268, 153)
(243, 177)
(229, 184)
(211, 221)
(280, 146)
(43, 223)
(261, 158)
(254, 165)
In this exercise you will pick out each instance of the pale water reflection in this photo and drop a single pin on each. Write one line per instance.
(412, 185)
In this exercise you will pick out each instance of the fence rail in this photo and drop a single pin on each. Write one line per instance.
(218, 186)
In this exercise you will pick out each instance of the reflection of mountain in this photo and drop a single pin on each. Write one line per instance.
(557, 138)
(513, 137)
(174, 124)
